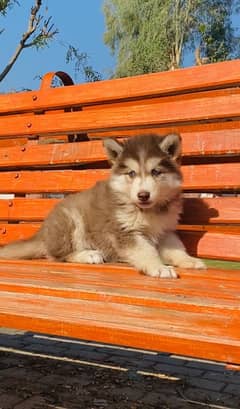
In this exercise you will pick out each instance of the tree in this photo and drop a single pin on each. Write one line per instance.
(137, 44)
(80, 61)
(38, 33)
(154, 35)
(178, 27)
(215, 38)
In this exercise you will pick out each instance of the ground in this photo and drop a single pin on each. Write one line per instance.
(41, 372)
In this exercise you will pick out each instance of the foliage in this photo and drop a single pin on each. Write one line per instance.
(80, 61)
(140, 47)
(38, 33)
(214, 32)
(5, 5)
(153, 35)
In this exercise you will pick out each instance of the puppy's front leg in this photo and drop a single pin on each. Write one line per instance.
(144, 257)
(172, 251)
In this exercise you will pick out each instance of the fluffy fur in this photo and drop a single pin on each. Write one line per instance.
(131, 217)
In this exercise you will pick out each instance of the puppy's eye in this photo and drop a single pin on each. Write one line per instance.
(132, 174)
(156, 172)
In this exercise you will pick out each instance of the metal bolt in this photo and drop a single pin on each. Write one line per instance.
(34, 97)
(10, 203)
(29, 125)
(3, 230)
(16, 176)
(23, 149)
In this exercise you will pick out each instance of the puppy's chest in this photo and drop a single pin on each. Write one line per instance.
(153, 224)
(150, 223)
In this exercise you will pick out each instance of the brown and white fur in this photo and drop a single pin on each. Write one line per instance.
(131, 217)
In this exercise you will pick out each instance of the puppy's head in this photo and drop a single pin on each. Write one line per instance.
(145, 169)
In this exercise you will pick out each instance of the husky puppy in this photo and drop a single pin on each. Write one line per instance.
(131, 217)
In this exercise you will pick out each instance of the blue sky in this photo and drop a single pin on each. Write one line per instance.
(80, 23)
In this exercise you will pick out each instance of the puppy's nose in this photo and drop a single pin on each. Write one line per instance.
(143, 196)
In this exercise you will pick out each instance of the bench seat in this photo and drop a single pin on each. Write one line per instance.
(196, 315)
(51, 145)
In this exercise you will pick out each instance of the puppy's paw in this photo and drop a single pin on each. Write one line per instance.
(86, 257)
(162, 272)
(94, 257)
(192, 262)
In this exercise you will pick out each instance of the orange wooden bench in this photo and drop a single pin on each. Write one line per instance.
(50, 144)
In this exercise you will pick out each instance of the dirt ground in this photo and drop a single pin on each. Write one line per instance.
(41, 373)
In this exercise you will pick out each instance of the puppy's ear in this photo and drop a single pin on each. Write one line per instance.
(113, 149)
(171, 144)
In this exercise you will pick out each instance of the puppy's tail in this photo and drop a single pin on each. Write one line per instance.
(24, 249)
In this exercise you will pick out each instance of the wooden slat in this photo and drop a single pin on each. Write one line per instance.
(152, 101)
(212, 210)
(6, 143)
(199, 128)
(175, 112)
(203, 244)
(198, 143)
(50, 181)
(212, 176)
(11, 232)
(154, 328)
(197, 315)
(158, 309)
(211, 142)
(223, 229)
(52, 154)
(196, 210)
(123, 271)
(124, 285)
(212, 245)
(25, 209)
(196, 177)
(212, 76)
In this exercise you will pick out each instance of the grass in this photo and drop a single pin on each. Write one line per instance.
(231, 265)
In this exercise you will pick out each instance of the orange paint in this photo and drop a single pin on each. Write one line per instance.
(219, 210)
(196, 315)
(221, 75)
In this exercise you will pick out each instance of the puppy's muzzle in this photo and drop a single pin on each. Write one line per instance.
(143, 196)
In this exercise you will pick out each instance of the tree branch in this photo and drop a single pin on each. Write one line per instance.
(33, 24)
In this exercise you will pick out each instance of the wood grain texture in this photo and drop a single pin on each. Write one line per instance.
(212, 245)
(212, 210)
(52, 154)
(212, 108)
(155, 328)
(198, 144)
(213, 76)
(114, 303)
(196, 210)
(123, 307)
(196, 315)
(196, 177)
(106, 270)
(210, 177)
(199, 128)
(207, 243)
(25, 209)
(126, 285)
(21, 231)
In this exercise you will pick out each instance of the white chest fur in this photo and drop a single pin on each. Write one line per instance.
(153, 222)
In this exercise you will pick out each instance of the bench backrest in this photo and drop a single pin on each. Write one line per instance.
(50, 144)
